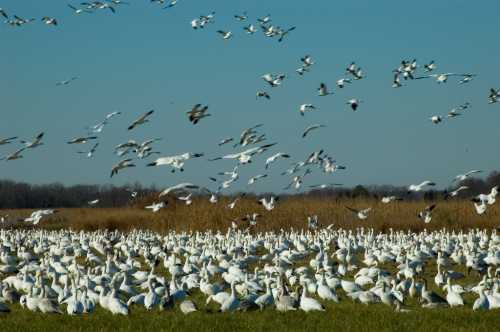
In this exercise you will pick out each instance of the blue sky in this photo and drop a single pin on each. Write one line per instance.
(145, 58)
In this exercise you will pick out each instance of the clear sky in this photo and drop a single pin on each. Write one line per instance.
(144, 57)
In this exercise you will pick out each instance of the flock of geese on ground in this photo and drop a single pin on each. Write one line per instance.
(75, 272)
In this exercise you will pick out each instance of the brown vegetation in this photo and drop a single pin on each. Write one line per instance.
(289, 213)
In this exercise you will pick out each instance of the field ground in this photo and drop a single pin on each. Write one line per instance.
(290, 213)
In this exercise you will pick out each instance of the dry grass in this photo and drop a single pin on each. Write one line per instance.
(289, 213)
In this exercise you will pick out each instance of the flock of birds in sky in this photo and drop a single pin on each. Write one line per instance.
(74, 272)
(252, 141)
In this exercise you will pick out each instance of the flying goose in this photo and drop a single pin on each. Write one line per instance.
(324, 185)
(4, 14)
(442, 78)
(8, 140)
(354, 103)
(141, 120)
(467, 78)
(177, 162)
(255, 178)
(426, 214)
(225, 34)
(307, 61)
(91, 152)
(430, 66)
(436, 119)
(268, 204)
(262, 94)
(480, 206)
(323, 90)
(180, 186)
(36, 216)
(37, 141)
(250, 29)
(155, 207)
(265, 19)
(361, 214)
(396, 83)
(419, 187)
(275, 157)
(283, 33)
(494, 96)
(342, 82)
(389, 199)
(66, 82)
(455, 192)
(463, 177)
(81, 140)
(273, 80)
(186, 199)
(79, 10)
(13, 156)
(49, 20)
(93, 202)
(226, 140)
(197, 113)
(244, 157)
(121, 165)
(306, 108)
(241, 17)
(311, 128)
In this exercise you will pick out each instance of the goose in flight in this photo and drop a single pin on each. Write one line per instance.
(225, 34)
(79, 10)
(297, 180)
(37, 141)
(251, 218)
(250, 29)
(436, 119)
(342, 82)
(226, 140)
(323, 90)
(275, 157)
(49, 20)
(361, 214)
(307, 61)
(453, 113)
(354, 103)
(489, 198)
(463, 177)
(66, 82)
(8, 140)
(283, 33)
(13, 156)
(324, 186)
(261, 94)
(91, 152)
(467, 78)
(442, 78)
(389, 199)
(197, 113)
(311, 128)
(428, 67)
(93, 202)
(177, 162)
(396, 83)
(480, 206)
(273, 80)
(426, 214)
(494, 96)
(245, 157)
(155, 207)
(37, 216)
(180, 186)
(420, 187)
(265, 19)
(141, 120)
(186, 199)
(81, 140)
(241, 17)
(18, 21)
(455, 192)
(4, 14)
(306, 108)
(255, 178)
(268, 204)
(121, 165)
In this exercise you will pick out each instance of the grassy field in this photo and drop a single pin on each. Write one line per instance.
(291, 212)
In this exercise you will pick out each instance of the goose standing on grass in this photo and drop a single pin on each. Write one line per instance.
(121, 165)
(482, 303)
(187, 307)
(308, 303)
(231, 303)
(141, 120)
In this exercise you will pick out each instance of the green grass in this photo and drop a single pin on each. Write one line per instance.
(346, 316)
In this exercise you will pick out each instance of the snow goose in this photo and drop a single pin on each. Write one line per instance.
(121, 165)
(306, 108)
(463, 177)
(176, 162)
(49, 20)
(15, 155)
(426, 214)
(311, 128)
(9, 140)
(360, 214)
(81, 140)
(225, 34)
(354, 103)
(141, 120)
(187, 307)
(197, 113)
(420, 187)
(308, 303)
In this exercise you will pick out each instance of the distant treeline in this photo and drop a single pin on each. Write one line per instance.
(18, 195)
